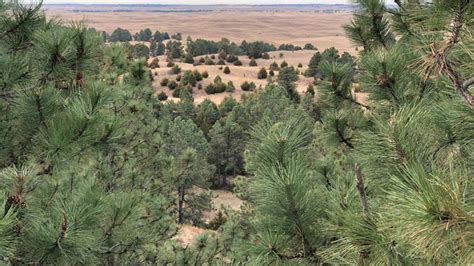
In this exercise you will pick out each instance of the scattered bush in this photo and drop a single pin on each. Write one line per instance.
(238, 63)
(178, 78)
(309, 46)
(164, 82)
(266, 56)
(283, 64)
(221, 62)
(170, 64)
(155, 63)
(176, 69)
(300, 65)
(262, 74)
(214, 88)
(253, 63)
(271, 73)
(310, 90)
(226, 70)
(172, 85)
(213, 56)
(189, 59)
(231, 58)
(179, 91)
(202, 60)
(199, 86)
(197, 75)
(205, 74)
(274, 66)
(230, 87)
(222, 55)
(248, 86)
(162, 96)
(209, 62)
(189, 79)
(218, 79)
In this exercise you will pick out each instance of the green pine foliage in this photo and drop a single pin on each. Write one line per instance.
(373, 165)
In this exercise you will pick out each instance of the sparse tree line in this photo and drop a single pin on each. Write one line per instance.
(95, 169)
(198, 47)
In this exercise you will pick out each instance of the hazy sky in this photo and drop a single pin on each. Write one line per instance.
(196, 2)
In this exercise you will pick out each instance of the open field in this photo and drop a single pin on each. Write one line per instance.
(292, 24)
(238, 75)
(286, 24)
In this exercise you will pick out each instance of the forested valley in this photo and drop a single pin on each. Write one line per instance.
(372, 165)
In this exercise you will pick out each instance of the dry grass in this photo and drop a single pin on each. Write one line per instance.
(275, 26)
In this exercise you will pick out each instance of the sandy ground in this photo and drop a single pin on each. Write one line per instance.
(222, 198)
(275, 26)
(238, 75)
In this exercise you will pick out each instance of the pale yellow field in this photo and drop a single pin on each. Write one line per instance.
(293, 26)
(277, 27)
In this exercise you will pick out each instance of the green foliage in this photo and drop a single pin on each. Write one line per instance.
(120, 35)
(248, 86)
(262, 73)
(226, 70)
(143, 35)
(287, 78)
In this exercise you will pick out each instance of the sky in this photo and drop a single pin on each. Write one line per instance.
(200, 2)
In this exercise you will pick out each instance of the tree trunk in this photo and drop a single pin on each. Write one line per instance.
(181, 193)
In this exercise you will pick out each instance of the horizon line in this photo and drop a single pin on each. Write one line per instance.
(125, 4)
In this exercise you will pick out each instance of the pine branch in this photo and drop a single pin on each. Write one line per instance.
(361, 191)
(441, 54)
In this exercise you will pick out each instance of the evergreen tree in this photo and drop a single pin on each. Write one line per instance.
(287, 78)
(120, 35)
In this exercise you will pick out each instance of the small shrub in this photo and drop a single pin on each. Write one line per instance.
(214, 88)
(253, 63)
(282, 55)
(274, 66)
(230, 87)
(213, 56)
(202, 60)
(205, 74)
(164, 82)
(199, 86)
(271, 73)
(265, 56)
(238, 63)
(162, 96)
(310, 90)
(231, 58)
(300, 65)
(309, 46)
(221, 62)
(246, 86)
(283, 64)
(222, 55)
(176, 70)
(155, 63)
(178, 78)
(262, 74)
(197, 75)
(177, 93)
(170, 64)
(218, 79)
(172, 85)
(209, 62)
(226, 70)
